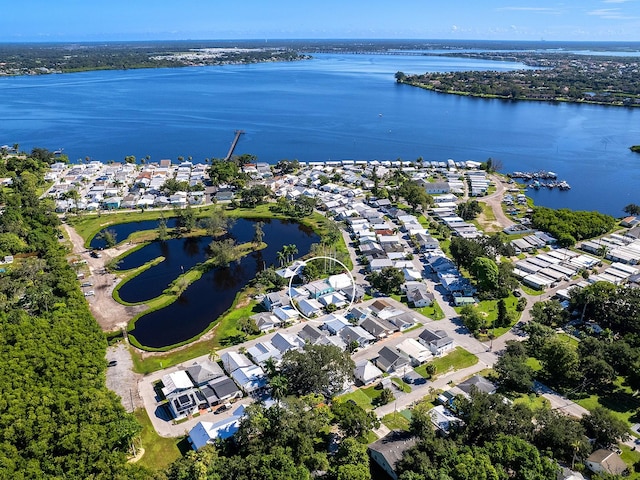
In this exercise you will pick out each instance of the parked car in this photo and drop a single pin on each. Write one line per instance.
(517, 294)
(87, 284)
(112, 363)
(95, 254)
(90, 293)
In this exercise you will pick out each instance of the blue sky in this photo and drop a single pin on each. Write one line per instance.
(98, 20)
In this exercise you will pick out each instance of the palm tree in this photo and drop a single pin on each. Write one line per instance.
(292, 250)
(282, 257)
(279, 385)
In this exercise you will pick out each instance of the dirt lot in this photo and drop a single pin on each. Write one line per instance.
(121, 379)
(109, 314)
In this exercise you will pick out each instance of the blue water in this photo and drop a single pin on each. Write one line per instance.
(326, 108)
(206, 299)
(123, 230)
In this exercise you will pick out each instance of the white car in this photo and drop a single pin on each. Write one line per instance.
(90, 293)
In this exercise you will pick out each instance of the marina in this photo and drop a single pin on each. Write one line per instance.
(535, 178)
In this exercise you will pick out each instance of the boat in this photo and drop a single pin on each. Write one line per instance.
(564, 185)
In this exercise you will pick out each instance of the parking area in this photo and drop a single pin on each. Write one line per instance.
(120, 376)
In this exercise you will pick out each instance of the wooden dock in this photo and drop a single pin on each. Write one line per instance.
(234, 143)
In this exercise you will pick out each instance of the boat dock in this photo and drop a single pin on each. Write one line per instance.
(234, 143)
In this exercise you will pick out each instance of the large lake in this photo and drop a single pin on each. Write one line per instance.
(331, 107)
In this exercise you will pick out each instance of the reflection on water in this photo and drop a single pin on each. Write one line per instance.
(205, 300)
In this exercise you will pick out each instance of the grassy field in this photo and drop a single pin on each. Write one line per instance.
(433, 311)
(405, 387)
(533, 401)
(362, 396)
(489, 309)
(631, 458)
(620, 402)
(159, 452)
(396, 421)
(455, 360)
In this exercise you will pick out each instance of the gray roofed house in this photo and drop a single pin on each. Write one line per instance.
(388, 450)
(266, 321)
(221, 390)
(285, 342)
(378, 327)
(311, 334)
(349, 292)
(438, 341)
(358, 334)
(606, 461)
(403, 321)
(204, 371)
(262, 351)
(478, 382)
(274, 300)
(390, 360)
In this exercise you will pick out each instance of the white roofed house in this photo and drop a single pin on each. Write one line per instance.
(182, 396)
(263, 351)
(366, 372)
(415, 351)
(418, 295)
(205, 433)
(250, 379)
(233, 360)
(333, 298)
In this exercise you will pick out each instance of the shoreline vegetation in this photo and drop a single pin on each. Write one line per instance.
(635, 148)
(44, 59)
(552, 77)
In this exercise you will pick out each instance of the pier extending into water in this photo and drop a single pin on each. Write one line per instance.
(234, 143)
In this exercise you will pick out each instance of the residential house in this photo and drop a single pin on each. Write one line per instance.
(206, 433)
(334, 323)
(378, 327)
(286, 341)
(358, 313)
(275, 300)
(418, 295)
(388, 450)
(311, 334)
(233, 360)
(266, 321)
(250, 379)
(479, 383)
(438, 342)
(443, 419)
(286, 313)
(366, 372)
(352, 333)
(415, 351)
(390, 360)
(318, 288)
(309, 307)
(221, 390)
(402, 320)
(606, 461)
(263, 351)
(203, 372)
(333, 298)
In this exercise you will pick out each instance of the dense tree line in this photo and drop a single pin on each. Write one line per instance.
(481, 258)
(20, 59)
(286, 441)
(575, 78)
(57, 418)
(569, 226)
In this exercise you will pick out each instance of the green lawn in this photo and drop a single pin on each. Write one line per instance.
(159, 452)
(433, 311)
(533, 401)
(531, 291)
(360, 397)
(489, 309)
(534, 363)
(455, 360)
(396, 421)
(405, 387)
(620, 402)
(631, 458)
(569, 339)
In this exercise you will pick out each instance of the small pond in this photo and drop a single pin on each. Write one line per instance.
(206, 299)
(123, 230)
